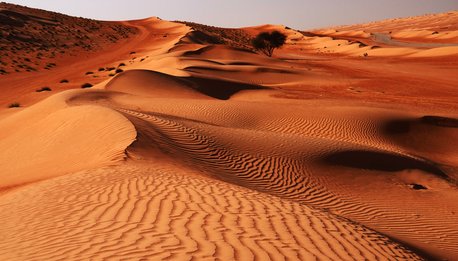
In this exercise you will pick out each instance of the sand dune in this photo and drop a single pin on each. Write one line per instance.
(158, 213)
(385, 38)
(58, 139)
(190, 145)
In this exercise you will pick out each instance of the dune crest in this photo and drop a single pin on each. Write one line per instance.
(58, 140)
(181, 142)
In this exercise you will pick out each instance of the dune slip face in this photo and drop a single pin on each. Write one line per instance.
(178, 141)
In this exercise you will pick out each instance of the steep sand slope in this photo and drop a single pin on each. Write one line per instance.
(203, 151)
(51, 138)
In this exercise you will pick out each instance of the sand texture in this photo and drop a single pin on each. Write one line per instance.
(178, 141)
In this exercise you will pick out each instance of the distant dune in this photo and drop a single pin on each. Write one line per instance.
(158, 140)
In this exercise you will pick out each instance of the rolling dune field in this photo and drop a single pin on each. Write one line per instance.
(186, 144)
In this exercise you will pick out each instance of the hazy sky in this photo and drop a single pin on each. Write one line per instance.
(299, 14)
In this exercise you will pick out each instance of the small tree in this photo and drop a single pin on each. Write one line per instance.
(268, 42)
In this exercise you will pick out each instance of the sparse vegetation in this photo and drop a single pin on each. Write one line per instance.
(14, 105)
(268, 42)
(235, 38)
(64, 81)
(101, 69)
(88, 73)
(119, 70)
(44, 89)
(50, 65)
(36, 37)
(121, 64)
(86, 85)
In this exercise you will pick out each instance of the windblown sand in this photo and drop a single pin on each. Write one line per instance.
(197, 150)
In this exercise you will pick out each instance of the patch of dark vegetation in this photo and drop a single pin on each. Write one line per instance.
(266, 42)
(110, 68)
(236, 38)
(50, 66)
(35, 36)
(119, 70)
(309, 34)
(121, 64)
(86, 85)
(64, 81)
(44, 89)
(101, 69)
(88, 73)
(14, 105)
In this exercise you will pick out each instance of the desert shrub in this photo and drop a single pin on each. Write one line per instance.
(14, 105)
(268, 42)
(101, 69)
(64, 81)
(111, 74)
(44, 89)
(119, 70)
(86, 85)
(87, 73)
(121, 64)
(110, 68)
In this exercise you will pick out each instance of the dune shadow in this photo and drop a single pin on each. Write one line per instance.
(398, 126)
(440, 121)
(403, 126)
(149, 81)
(372, 160)
(220, 89)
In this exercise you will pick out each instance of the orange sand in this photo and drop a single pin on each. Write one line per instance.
(200, 150)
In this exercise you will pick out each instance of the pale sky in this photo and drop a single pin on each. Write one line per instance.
(298, 14)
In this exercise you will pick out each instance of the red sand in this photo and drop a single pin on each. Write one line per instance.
(200, 150)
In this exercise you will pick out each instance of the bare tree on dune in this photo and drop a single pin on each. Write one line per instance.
(268, 42)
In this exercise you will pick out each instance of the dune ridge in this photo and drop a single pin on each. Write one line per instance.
(190, 145)
(160, 213)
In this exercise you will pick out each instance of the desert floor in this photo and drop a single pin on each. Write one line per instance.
(342, 146)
